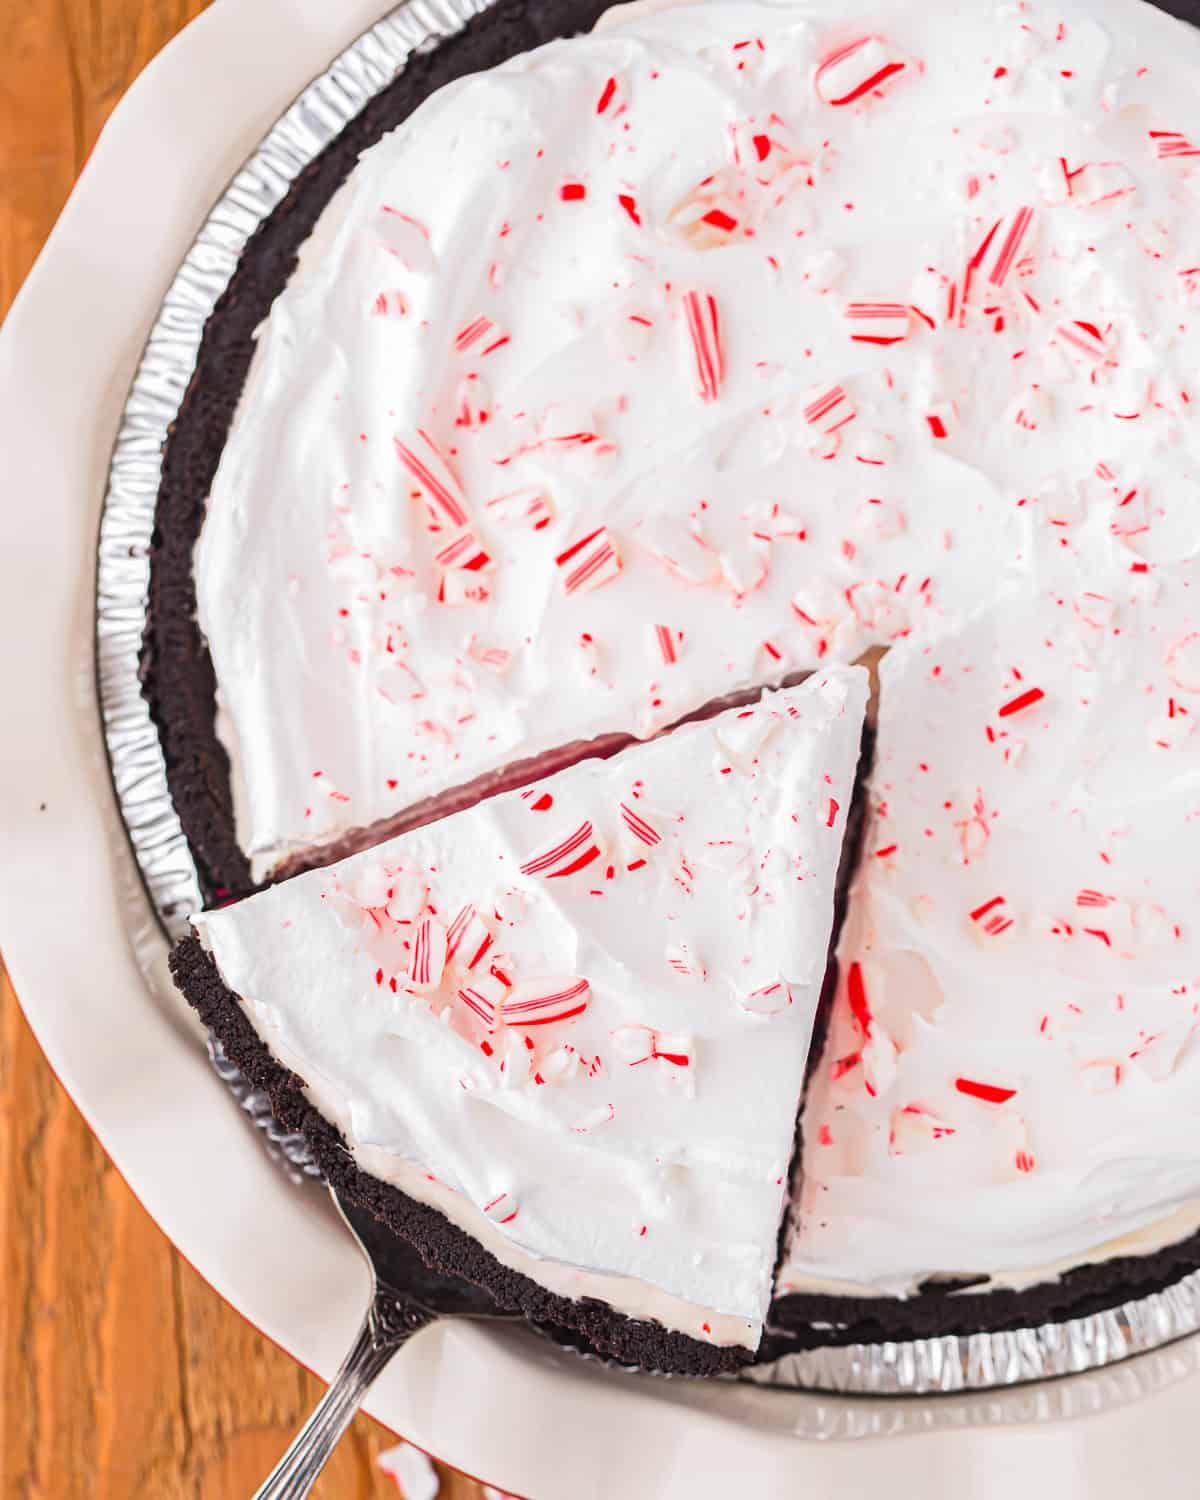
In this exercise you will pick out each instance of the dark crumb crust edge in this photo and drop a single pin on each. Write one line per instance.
(179, 686)
(442, 1245)
(177, 676)
(808, 1322)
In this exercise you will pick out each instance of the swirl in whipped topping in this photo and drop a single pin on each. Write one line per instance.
(732, 341)
(576, 1018)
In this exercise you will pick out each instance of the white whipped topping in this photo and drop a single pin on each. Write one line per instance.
(599, 1065)
(841, 330)
(530, 280)
(1012, 1076)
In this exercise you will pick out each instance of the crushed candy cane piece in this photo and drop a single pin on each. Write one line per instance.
(390, 304)
(589, 563)
(1002, 245)
(494, 658)
(567, 856)
(540, 1002)
(437, 481)
(915, 1127)
(502, 1209)
(428, 955)
(483, 997)
(462, 550)
(667, 643)
(531, 507)
(642, 830)
(406, 896)
(993, 918)
(674, 545)
(683, 961)
(459, 587)
(471, 333)
(860, 68)
(406, 238)
(704, 330)
(412, 1472)
(990, 1093)
(828, 409)
(468, 938)
(711, 214)
(1170, 145)
(633, 1044)
(768, 1000)
(603, 1114)
(1182, 663)
(881, 323)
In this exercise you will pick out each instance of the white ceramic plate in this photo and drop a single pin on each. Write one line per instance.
(496, 1404)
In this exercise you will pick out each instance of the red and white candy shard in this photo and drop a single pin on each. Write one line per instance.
(559, 1014)
(703, 323)
(678, 548)
(529, 507)
(472, 332)
(639, 828)
(684, 961)
(390, 304)
(468, 937)
(462, 550)
(405, 237)
(768, 1000)
(568, 855)
(502, 1209)
(428, 960)
(666, 644)
(424, 461)
(880, 323)
(474, 405)
(828, 409)
(915, 1128)
(482, 997)
(542, 1002)
(589, 563)
(404, 892)
(714, 213)
(1003, 245)
(858, 70)
(413, 1473)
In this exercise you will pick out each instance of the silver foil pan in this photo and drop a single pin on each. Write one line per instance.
(979, 1361)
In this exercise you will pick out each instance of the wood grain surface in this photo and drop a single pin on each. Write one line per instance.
(122, 1373)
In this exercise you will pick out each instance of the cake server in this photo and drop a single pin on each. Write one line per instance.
(406, 1296)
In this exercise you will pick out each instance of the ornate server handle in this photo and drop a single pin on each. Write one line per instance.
(390, 1322)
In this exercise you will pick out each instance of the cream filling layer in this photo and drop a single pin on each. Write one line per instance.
(1160, 1235)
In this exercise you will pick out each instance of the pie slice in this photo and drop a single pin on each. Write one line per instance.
(558, 1040)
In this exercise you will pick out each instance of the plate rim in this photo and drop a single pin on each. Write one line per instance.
(58, 446)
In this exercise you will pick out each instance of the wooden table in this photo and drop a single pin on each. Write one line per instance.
(122, 1373)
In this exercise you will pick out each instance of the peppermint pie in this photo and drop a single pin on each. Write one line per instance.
(619, 379)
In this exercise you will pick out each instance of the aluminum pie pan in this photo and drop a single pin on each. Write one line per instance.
(945, 1364)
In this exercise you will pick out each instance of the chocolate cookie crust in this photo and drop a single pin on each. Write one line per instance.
(945, 1307)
